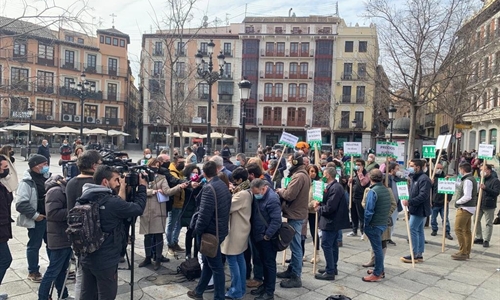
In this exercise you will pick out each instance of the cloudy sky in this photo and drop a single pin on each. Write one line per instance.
(136, 17)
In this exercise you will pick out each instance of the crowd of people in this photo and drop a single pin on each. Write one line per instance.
(242, 202)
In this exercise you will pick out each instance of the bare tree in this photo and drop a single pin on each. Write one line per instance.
(224, 120)
(417, 39)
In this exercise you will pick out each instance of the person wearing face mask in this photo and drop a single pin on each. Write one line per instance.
(438, 204)
(65, 150)
(8, 152)
(99, 268)
(173, 228)
(31, 207)
(146, 157)
(491, 190)
(191, 156)
(5, 221)
(360, 182)
(419, 208)
(393, 171)
(44, 150)
(370, 163)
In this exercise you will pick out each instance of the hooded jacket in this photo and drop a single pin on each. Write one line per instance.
(27, 201)
(5, 214)
(113, 211)
(491, 192)
(57, 213)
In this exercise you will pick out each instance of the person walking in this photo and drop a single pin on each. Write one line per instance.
(491, 190)
(65, 150)
(5, 221)
(44, 150)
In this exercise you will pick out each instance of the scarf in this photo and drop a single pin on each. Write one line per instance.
(245, 185)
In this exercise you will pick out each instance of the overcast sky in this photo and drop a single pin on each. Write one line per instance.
(136, 17)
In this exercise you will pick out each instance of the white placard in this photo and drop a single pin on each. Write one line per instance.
(403, 192)
(288, 139)
(443, 138)
(485, 151)
(314, 135)
(352, 149)
(446, 186)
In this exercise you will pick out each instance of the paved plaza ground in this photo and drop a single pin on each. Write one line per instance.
(439, 277)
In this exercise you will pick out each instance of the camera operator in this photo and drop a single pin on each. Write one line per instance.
(100, 267)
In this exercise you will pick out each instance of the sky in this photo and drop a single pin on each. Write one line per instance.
(136, 17)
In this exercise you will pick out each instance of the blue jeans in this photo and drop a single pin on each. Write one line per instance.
(268, 255)
(56, 271)
(173, 226)
(417, 234)
(374, 234)
(339, 236)
(212, 266)
(440, 210)
(5, 259)
(238, 269)
(36, 236)
(258, 268)
(330, 249)
(296, 247)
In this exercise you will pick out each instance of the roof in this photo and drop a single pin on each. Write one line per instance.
(20, 27)
(308, 20)
(114, 32)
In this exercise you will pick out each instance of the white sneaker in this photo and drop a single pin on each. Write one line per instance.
(363, 237)
(352, 234)
(69, 298)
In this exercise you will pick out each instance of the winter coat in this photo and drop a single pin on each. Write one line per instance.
(236, 241)
(179, 197)
(113, 211)
(296, 195)
(228, 164)
(27, 201)
(191, 159)
(420, 189)
(154, 218)
(333, 210)
(268, 208)
(57, 214)
(65, 151)
(437, 198)
(206, 213)
(44, 150)
(5, 214)
(491, 192)
(10, 182)
(190, 206)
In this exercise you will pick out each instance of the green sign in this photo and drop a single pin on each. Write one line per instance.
(429, 152)
(403, 192)
(318, 188)
(287, 181)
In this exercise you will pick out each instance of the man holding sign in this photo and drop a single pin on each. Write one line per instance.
(438, 204)
(491, 190)
(419, 207)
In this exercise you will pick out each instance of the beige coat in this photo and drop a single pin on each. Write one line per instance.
(236, 242)
(154, 218)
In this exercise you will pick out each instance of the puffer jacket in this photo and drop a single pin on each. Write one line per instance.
(266, 210)
(57, 213)
(27, 201)
(206, 213)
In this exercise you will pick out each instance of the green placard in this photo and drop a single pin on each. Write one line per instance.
(318, 188)
(287, 181)
(429, 152)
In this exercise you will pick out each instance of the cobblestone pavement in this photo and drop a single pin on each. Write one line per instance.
(437, 277)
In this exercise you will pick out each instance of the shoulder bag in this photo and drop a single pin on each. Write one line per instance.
(283, 237)
(210, 243)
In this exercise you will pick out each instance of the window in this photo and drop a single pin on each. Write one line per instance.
(157, 68)
(349, 46)
(268, 113)
(294, 48)
(19, 78)
(278, 29)
(346, 94)
(202, 113)
(302, 90)
(293, 68)
(180, 69)
(304, 68)
(45, 82)
(108, 40)
(203, 90)
(225, 87)
(69, 59)
(67, 82)
(291, 114)
(250, 67)
(112, 66)
(204, 48)
(363, 46)
(279, 68)
(269, 48)
(111, 112)
(43, 109)
(360, 94)
(304, 48)
(90, 111)
(347, 71)
(344, 119)
(482, 136)
(250, 47)
(486, 68)
(112, 91)
(323, 68)
(69, 38)
(324, 47)
(280, 49)
(495, 97)
(497, 63)
(158, 48)
(115, 42)
(277, 115)
(268, 90)
(361, 70)
(227, 71)
(122, 43)
(227, 49)
(301, 115)
(269, 68)
(68, 108)
(179, 90)
(101, 39)
(292, 90)
(224, 114)
(296, 29)
(45, 52)
(91, 63)
(20, 48)
(81, 41)
(181, 49)
(278, 90)
(358, 116)
(493, 136)
(156, 87)
(19, 107)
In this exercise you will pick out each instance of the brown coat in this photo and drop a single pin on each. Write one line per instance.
(154, 218)
(386, 235)
(181, 195)
(296, 195)
(236, 241)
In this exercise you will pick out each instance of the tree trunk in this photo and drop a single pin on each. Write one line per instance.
(411, 133)
(172, 139)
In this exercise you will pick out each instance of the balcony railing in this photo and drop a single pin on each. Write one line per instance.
(157, 52)
(227, 76)
(46, 62)
(46, 89)
(346, 76)
(180, 53)
(346, 98)
(70, 65)
(69, 119)
(360, 99)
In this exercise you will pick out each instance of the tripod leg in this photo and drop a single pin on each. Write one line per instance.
(65, 278)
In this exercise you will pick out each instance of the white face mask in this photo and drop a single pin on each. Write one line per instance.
(424, 170)
(288, 165)
(399, 174)
(148, 156)
(439, 171)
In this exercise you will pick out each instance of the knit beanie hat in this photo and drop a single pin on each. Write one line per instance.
(36, 159)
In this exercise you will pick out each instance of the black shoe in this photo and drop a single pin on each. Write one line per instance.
(209, 287)
(434, 233)
(478, 241)
(448, 236)
(145, 262)
(157, 265)
(486, 244)
(324, 276)
(391, 242)
(287, 261)
(163, 259)
(193, 295)
(285, 274)
(293, 282)
(259, 291)
(425, 242)
(322, 271)
(265, 296)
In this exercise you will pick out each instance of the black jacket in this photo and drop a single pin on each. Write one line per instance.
(206, 216)
(437, 199)
(491, 192)
(5, 215)
(420, 189)
(45, 151)
(228, 164)
(358, 189)
(266, 210)
(57, 214)
(190, 206)
(334, 211)
(113, 211)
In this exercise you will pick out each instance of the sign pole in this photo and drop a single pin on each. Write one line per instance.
(350, 189)
(387, 171)
(279, 162)
(478, 207)
(445, 216)
(409, 237)
(316, 156)
(439, 156)
(316, 243)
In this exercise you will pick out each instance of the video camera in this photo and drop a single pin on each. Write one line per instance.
(118, 160)
(132, 178)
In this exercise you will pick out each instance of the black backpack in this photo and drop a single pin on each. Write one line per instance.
(84, 228)
(190, 269)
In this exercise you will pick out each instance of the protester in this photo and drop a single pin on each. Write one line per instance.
(371, 163)
(359, 183)
(491, 190)
(31, 207)
(200, 153)
(65, 150)
(393, 170)
(146, 157)
(275, 175)
(190, 156)
(311, 219)
(5, 221)
(228, 164)
(438, 204)
(219, 162)
(9, 153)
(190, 206)
(173, 228)
(44, 150)
(241, 160)
(100, 278)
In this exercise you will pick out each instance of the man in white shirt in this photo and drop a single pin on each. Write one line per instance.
(466, 200)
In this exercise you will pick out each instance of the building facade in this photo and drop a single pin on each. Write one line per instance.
(37, 66)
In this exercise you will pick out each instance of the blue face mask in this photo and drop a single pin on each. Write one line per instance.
(258, 196)
(356, 168)
(237, 163)
(44, 170)
(411, 170)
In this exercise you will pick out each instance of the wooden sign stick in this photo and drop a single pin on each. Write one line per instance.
(445, 216)
(478, 207)
(316, 243)
(409, 236)
(279, 162)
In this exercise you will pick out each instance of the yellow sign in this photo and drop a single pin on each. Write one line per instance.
(463, 126)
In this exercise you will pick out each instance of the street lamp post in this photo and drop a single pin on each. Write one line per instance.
(156, 123)
(354, 123)
(210, 77)
(245, 87)
(82, 89)
(31, 110)
(392, 110)
(107, 130)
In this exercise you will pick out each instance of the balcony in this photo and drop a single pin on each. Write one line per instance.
(180, 53)
(346, 99)
(271, 122)
(345, 124)
(430, 120)
(227, 76)
(157, 52)
(360, 99)
(296, 123)
(277, 53)
(67, 92)
(45, 89)
(46, 62)
(346, 76)
(112, 71)
(9, 54)
(228, 53)
(92, 69)
(70, 65)
(71, 119)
